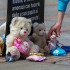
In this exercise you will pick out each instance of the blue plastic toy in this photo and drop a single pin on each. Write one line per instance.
(58, 51)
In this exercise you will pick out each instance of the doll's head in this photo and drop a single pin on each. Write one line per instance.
(53, 38)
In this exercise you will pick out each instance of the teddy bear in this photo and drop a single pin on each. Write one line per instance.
(39, 37)
(17, 41)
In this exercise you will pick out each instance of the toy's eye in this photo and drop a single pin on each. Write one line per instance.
(39, 30)
(21, 28)
(26, 29)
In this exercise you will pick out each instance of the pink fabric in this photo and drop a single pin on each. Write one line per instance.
(22, 46)
(36, 58)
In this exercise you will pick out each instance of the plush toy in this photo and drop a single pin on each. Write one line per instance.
(54, 46)
(17, 40)
(39, 37)
(3, 27)
(2, 38)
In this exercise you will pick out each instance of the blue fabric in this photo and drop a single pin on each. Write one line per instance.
(64, 0)
(66, 48)
(62, 5)
(9, 58)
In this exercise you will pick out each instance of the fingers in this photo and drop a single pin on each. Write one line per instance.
(50, 32)
(58, 33)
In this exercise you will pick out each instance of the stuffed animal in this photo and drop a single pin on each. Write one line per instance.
(2, 38)
(39, 37)
(3, 27)
(20, 28)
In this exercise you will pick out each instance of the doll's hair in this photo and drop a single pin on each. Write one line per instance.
(53, 36)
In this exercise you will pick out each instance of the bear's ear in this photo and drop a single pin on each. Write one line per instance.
(14, 21)
(35, 24)
(30, 22)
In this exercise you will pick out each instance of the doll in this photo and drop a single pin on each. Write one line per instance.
(54, 46)
(53, 42)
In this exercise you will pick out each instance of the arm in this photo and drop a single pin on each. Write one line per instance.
(56, 27)
(62, 5)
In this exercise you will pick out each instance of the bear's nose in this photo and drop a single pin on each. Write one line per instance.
(24, 31)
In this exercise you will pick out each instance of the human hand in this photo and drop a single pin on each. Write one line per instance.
(55, 28)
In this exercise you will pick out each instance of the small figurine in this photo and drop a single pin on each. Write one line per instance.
(54, 46)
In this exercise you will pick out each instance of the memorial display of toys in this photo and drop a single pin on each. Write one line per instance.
(54, 47)
(2, 38)
(20, 28)
(39, 37)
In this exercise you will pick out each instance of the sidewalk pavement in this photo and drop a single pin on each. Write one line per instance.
(27, 65)
(50, 18)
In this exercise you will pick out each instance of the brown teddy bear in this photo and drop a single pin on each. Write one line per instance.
(39, 37)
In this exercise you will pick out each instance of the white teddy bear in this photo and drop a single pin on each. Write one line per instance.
(20, 28)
